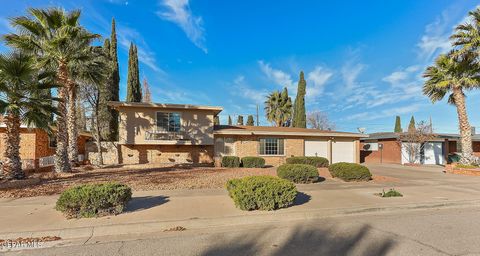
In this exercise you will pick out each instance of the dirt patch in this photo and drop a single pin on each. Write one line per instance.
(323, 172)
(381, 179)
(138, 178)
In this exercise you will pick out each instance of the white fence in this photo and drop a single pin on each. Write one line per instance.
(46, 161)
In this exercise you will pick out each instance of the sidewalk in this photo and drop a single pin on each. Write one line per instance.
(155, 211)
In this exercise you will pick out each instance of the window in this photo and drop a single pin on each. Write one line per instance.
(52, 141)
(271, 146)
(169, 122)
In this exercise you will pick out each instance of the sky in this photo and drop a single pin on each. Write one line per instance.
(363, 60)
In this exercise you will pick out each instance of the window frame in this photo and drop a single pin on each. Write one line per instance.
(157, 127)
(265, 150)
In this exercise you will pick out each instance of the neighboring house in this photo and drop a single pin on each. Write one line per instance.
(174, 133)
(37, 148)
(385, 147)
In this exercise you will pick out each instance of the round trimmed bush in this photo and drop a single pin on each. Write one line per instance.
(350, 172)
(93, 200)
(316, 161)
(253, 162)
(298, 173)
(230, 161)
(261, 193)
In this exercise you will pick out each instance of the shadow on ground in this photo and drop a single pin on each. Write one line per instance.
(145, 202)
(301, 198)
(305, 241)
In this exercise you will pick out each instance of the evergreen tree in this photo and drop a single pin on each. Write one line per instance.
(240, 120)
(134, 91)
(229, 120)
(398, 124)
(216, 120)
(250, 121)
(411, 126)
(299, 113)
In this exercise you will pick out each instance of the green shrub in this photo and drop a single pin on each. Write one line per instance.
(253, 162)
(230, 161)
(261, 193)
(391, 193)
(298, 173)
(93, 200)
(310, 160)
(350, 171)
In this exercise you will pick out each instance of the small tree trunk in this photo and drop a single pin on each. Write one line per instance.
(464, 125)
(61, 157)
(97, 139)
(72, 124)
(12, 166)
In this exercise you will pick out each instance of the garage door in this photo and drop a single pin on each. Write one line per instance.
(316, 148)
(343, 151)
(433, 153)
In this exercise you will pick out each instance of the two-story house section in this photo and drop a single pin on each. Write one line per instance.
(165, 133)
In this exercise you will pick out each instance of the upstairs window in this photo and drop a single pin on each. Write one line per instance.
(271, 146)
(169, 122)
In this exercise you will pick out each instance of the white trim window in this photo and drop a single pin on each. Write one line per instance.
(168, 121)
(272, 147)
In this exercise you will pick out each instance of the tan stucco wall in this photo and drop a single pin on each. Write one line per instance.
(135, 121)
(174, 154)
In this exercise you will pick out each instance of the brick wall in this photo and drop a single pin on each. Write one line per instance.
(391, 153)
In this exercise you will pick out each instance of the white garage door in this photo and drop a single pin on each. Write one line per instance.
(433, 153)
(343, 151)
(316, 148)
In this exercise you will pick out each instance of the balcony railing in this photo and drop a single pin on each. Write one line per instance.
(165, 135)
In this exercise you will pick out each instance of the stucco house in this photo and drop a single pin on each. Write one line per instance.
(176, 133)
(384, 147)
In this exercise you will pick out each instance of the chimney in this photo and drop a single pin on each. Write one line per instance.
(473, 130)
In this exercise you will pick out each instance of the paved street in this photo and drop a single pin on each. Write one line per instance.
(419, 232)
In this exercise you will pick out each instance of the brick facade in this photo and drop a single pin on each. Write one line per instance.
(391, 153)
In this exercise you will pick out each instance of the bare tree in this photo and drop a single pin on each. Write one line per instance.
(147, 96)
(319, 120)
(91, 96)
(412, 142)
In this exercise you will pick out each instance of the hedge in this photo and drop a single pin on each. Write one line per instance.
(350, 171)
(298, 173)
(261, 193)
(230, 161)
(310, 160)
(253, 162)
(93, 200)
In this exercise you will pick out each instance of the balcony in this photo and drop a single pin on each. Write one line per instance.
(166, 136)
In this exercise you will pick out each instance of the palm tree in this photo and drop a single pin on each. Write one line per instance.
(53, 36)
(454, 74)
(278, 108)
(467, 36)
(22, 100)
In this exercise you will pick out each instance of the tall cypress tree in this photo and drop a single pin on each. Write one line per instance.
(250, 121)
(134, 90)
(229, 120)
(299, 113)
(411, 126)
(398, 125)
(240, 120)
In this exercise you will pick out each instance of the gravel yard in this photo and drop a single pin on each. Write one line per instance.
(140, 177)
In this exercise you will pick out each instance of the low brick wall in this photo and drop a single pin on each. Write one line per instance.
(451, 168)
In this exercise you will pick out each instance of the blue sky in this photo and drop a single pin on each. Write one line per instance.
(363, 60)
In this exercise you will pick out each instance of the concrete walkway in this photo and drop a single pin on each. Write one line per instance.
(155, 211)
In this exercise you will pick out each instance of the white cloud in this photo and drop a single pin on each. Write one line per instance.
(277, 76)
(398, 77)
(373, 115)
(350, 73)
(242, 89)
(178, 12)
(146, 56)
(317, 79)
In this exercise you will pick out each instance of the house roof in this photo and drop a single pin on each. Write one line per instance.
(289, 131)
(118, 104)
(395, 135)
